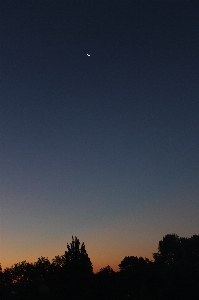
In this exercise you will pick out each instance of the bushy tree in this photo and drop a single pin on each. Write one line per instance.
(59, 262)
(1, 282)
(177, 266)
(42, 270)
(76, 258)
(133, 263)
(168, 249)
(106, 271)
(20, 273)
(177, 251)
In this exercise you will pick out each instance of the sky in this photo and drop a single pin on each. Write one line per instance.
(103, 147)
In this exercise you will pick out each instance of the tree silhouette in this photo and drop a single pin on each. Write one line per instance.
(168, 250)
(177, 263)
(21, 273)
(174, 250)
(133, 263)
(1, 282)
(76, 258)
(59, 261)
(134, 275)
(106, 271)
(174, 274)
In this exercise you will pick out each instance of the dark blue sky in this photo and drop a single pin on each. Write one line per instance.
(103, 147)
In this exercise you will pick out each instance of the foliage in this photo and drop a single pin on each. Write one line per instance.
(130, 263)
(106, 271)
(174, 274)
(76, 258)
(174, 251)
(59, 262)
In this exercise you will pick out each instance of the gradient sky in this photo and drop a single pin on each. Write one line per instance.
(106, 147)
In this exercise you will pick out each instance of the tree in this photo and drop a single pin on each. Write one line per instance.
(20, 273)
(177, 251)
(134, 273)
(177, 266)
(133, 263)
(106, 271)
(168, 250)
(76, 258)
(1, 282)
(192, 250)
(58, 262)
(42, 270)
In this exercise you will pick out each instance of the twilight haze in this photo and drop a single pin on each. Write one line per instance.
(99, 127)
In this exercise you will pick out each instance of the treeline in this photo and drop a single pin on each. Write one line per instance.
(173, 274)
